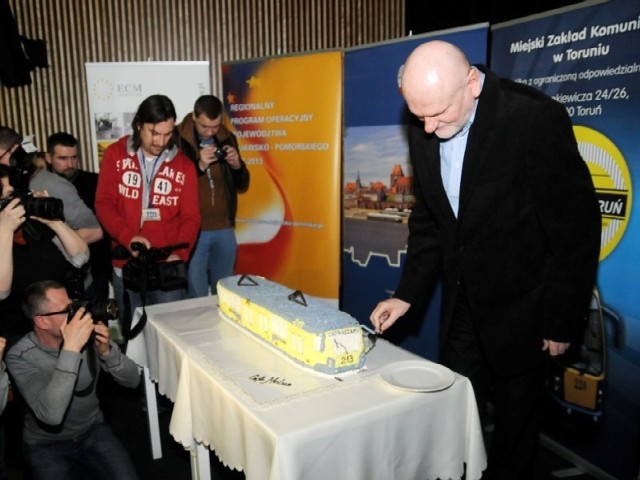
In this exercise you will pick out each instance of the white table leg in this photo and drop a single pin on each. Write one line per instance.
(200, 467)
(152, 415)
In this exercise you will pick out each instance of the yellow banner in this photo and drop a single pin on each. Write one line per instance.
(287, 115)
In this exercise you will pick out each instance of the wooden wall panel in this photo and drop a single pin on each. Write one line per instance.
(79, 31)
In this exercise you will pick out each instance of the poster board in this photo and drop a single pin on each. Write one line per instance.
(586, 58)
(287, 114)
(116, 89)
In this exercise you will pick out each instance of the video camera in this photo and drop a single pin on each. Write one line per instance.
(149, 271)
(19, 172)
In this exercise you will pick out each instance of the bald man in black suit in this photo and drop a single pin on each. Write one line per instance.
(506, 215)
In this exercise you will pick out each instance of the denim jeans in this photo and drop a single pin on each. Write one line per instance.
(96, 454)
(213, 258)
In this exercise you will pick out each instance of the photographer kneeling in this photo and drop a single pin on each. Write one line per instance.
(55, 367)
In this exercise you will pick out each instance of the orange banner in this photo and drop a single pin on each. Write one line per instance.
(287, 115)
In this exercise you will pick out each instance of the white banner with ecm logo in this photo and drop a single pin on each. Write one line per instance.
(116, 89)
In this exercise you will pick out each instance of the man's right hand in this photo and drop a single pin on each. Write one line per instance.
(76, 332)
(387, 312)
(139, 239)
(5, 187)
(207, 156)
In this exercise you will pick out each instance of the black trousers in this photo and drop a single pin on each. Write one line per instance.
(517, 399)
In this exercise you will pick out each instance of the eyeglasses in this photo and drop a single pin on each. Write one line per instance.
(51, 314)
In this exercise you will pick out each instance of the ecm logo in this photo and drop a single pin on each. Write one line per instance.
(129, 89)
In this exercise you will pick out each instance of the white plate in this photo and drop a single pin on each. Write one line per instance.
(418, 376)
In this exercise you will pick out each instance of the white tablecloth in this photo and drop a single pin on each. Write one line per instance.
(272, 419)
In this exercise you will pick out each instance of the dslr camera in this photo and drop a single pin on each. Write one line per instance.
(220, 154)
(47, 207)
(101, 311)
(19, 172)
(150, 271)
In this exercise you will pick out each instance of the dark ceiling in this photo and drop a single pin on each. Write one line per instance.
(429, 15)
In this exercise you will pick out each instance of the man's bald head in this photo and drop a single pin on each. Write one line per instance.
(434, 64)
(440, 87)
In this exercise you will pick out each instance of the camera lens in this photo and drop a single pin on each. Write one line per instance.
(220, 154)
(104, 311)
(47, 208)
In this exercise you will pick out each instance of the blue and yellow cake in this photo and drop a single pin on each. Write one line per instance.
(310, 332)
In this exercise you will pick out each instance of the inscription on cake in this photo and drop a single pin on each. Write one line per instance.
(263, 379)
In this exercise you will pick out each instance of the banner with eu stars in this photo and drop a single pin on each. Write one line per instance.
(287, 114)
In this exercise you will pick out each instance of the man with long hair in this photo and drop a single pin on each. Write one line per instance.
(147, 194)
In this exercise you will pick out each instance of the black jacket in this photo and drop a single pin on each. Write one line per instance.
(236, 181)
(526, 240)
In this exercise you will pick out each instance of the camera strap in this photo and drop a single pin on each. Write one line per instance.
(212, 185)
(130, 333)
(133, 332)
(92, 364)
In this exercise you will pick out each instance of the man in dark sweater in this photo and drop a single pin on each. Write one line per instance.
(63, 158)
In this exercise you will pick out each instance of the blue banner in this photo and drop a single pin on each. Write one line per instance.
(587, 59)
(377, 179)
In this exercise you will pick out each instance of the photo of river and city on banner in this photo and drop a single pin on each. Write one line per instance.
(377, 192)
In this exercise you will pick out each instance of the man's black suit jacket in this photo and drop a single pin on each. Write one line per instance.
(526, 240)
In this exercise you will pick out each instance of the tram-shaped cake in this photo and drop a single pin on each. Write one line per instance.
(310, 332)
